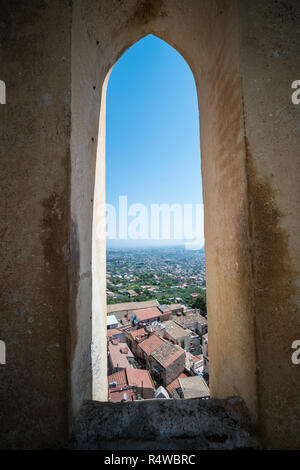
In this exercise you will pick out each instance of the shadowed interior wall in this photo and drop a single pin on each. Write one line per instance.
(270, 62)
(35, 41)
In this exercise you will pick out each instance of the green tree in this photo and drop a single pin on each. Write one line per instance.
(200, 302)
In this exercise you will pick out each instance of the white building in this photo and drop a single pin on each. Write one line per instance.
(111, 322)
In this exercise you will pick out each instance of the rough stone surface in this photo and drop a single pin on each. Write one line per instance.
(164, 424)
(270, 59)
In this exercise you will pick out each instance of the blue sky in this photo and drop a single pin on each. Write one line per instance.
(152, 130)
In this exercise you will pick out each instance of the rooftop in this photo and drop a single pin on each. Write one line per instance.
(132, 378)
(194, 387)
(114, 331)
(130, 306)
(164, 308)
(139, 378)
(119, 377)
(191, 318)
(174, 330)
(117, 357)
(167, 353)
(111, 320)
(138, 334)
(147, 313)
(175, 384)
(121, 391)
(115, 396)
(176, 306)
(151, 344)
(196, 359)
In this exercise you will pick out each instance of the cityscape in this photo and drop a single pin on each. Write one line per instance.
(156, 324)
(166, 274)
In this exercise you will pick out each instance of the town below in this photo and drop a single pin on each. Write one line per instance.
(156, 324)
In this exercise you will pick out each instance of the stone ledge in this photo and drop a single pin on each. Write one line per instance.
(164, 425)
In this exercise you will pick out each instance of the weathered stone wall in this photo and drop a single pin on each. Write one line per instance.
(35, 42)
(186, 425)
(225, 196)
(174, 369)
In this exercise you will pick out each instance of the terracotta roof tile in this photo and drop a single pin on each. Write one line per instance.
(114, 331)
(172, 358)
(130, 306)
(175, 384)
(151, 344)
(118, 359)
(119, 377)
(139, 378)
(167, 353)
(147, 313)
(139, 332)
(115, 396)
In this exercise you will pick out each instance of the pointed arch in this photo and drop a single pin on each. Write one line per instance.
(208, 43)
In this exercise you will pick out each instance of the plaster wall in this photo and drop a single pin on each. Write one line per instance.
(270, 62)
(186, 425)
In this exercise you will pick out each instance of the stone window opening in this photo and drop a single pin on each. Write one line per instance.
(190, 160)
